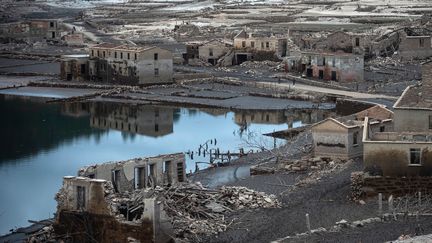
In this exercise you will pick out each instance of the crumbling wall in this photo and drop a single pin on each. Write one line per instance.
(155, 171)
(89, 227)
(212, 50)
(93, 200)
(393, 158)
(89, 210)
(365, 185)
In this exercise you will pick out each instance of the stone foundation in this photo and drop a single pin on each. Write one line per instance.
(364, 185)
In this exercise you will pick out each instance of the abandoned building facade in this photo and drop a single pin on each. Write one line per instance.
(258, 47)
(74, 67)
(44, 29)
(407, 149)
(140, 173)
(338, 66)
(212, 51)
(130, 64)
(342, 137)
(415, 47)
(122, 64)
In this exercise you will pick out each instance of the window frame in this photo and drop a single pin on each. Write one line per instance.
(355, 140)
(413, 151)
(430, 122)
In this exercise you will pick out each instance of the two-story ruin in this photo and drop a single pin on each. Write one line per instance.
(355, 43)
(117, 63)
(328, 66)
(258, 47)
(48, 29)
(130, 64)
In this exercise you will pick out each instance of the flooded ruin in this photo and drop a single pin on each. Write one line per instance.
(43, 142)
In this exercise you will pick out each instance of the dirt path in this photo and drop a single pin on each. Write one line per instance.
(352, 94)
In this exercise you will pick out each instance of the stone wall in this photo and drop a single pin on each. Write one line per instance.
(364, 185)
(415, 47)
(87, 227)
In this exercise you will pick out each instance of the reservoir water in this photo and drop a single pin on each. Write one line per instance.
(43, 142)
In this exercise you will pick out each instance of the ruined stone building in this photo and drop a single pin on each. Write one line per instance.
(74, 67)
(415, 46)
(192, 52)
(328, 66)
(212, 52)
(405, 150)
(73, 39)
(116, 63)
(386, 45)
(355, 43)
(258, 47)
(89, 210)
(99, 205)
(130, 64)
(43, 29)
(342, 137)
(140, 173)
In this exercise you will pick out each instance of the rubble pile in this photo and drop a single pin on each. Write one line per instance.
(356, 186)
(46, 234)
(256, 64)
(196, 210)
(193, 209)
(380, 62)
(302, 165)
(315, 163)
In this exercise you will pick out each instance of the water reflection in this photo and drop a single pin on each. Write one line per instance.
(29, 126)
(153, 121)
(289, 117)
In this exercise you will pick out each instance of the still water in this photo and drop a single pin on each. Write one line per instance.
(42, 142)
